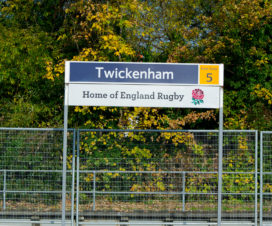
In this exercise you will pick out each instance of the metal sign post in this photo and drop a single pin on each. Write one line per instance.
(64, 164)
(64, 161)
(220, 157)
(144, 85)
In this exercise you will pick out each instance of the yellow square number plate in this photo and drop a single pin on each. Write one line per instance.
(209, 74)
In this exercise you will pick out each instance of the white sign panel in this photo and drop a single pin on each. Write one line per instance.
(143, 96)
(143, 84)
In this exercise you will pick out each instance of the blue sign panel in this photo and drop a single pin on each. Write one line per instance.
(104, 72)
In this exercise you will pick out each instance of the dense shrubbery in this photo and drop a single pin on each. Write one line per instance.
(38, 36)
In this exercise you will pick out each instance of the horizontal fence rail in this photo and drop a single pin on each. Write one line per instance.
(122, 177)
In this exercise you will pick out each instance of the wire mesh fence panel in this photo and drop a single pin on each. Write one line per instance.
(125, 175)
(239, 190)
(266, 178)
(31, 174)
(147, 175)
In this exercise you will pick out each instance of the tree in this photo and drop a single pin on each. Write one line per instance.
(25, 48)
(124, 31)
(238, 34)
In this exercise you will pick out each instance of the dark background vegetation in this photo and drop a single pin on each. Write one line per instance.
(37, 36)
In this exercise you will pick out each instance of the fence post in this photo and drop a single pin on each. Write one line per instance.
(73, 178)
(4, 189)
(77, 180)
(256, 178)
(183, 191)
(261, 179)
(94, 189)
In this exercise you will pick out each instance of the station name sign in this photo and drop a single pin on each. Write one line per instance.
(143, 84)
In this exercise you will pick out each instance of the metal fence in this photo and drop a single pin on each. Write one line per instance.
(240, 177)
(134, 176)
(31, 175)
(146, 175)
(123, 175)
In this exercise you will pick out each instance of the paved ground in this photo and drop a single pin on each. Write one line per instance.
(116, 223)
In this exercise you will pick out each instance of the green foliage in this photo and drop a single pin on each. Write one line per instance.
(25, 159)
(114, 152)
(37, 36)
(238, 34)
(25, 92)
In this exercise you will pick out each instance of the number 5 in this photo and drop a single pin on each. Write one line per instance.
(209, 77)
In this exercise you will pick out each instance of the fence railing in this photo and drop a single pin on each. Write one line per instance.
(135, 175)
(170, 154)
(265, 177)
(31, 175)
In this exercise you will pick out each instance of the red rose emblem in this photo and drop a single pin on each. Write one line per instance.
(197, 96)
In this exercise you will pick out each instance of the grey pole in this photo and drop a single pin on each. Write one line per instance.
(4, 190)
(73, 179)
(256, 178)
(261, 180)
(94, 189)
(220, 156)
(77, 180)
(183, 190)
(64, 154)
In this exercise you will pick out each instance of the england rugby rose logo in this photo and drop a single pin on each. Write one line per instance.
(197, 96)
